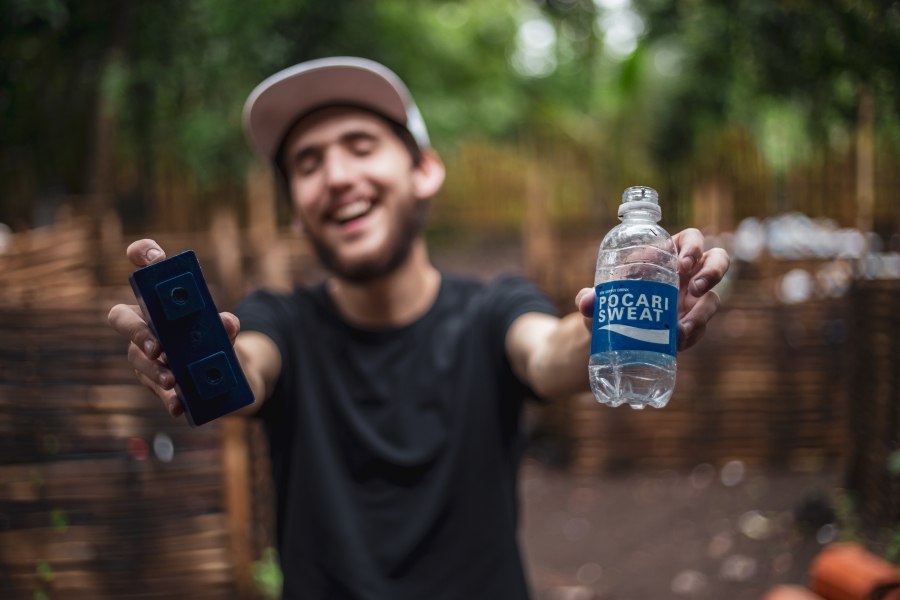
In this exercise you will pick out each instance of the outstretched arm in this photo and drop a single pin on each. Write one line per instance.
(551, 354)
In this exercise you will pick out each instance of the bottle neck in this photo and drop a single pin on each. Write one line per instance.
(640, 215)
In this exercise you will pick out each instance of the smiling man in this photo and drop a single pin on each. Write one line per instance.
(392, 393)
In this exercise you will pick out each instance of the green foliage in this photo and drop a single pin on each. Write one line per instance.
(847, 518)
(44, 571)
(644, 105)
(892, 550)
(267, 574)
(894, 463)
(50, 64)
(782, 136)
(59, 521)
(175, 73)
(793, 66)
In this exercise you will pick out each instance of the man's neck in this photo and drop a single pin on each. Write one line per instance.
(394, 300)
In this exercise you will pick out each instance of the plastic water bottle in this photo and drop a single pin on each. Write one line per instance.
(636, 310)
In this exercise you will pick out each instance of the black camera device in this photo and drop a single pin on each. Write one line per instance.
(179, 309)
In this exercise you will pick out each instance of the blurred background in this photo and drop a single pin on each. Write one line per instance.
(774, 127)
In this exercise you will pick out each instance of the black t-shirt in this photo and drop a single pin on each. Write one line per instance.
(395, 452)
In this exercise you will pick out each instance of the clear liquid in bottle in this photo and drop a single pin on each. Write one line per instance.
(635, 329)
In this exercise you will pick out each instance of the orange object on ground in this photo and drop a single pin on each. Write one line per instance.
(790, 592)
(850, 572)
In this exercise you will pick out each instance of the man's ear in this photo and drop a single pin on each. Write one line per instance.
(428, 175)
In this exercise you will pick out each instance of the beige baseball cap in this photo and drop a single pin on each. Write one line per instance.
(276, 103)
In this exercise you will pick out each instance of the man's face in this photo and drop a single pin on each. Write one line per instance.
(355, 190)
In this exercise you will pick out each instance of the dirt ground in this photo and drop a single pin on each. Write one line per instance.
(663, 534)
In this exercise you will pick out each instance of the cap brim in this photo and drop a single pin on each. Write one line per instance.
(276, 104)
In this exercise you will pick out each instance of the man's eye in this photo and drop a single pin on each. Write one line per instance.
(307, 164)
(362, 147)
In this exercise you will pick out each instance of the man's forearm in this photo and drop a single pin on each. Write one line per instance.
(261, 362)
(560, 364)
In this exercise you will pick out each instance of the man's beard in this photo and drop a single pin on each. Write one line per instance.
(411, 224)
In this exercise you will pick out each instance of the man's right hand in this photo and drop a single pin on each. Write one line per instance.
(144, 351)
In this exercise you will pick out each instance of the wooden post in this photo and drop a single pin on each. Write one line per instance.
(226, 242)
(865, 161)
(110, 246)
(271, 254)
(713, 205)
(261, 202)
(538, 242)
(236, 483)
(102, 152)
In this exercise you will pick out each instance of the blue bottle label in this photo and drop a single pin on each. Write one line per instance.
(631, 314)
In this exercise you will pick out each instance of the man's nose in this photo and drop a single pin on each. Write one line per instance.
(338, 171)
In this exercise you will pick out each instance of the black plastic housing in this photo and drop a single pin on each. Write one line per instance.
(177, 305)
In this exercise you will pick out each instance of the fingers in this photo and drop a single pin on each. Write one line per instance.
(144, 252)
(169, 397)
(704, 269)
(155, 370)
(687, 342)
(232, 325)
(128, 321)
(712, 269)
(584, 301)
(689, 244)
(693, 324)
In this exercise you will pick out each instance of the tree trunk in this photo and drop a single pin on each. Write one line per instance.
(865, 161)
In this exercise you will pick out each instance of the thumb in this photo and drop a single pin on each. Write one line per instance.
(585, 302)
(144, 252)
(231, 323)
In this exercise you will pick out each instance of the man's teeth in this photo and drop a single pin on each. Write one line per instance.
(353, 210)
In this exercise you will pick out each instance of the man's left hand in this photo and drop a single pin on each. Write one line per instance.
(698, 273)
